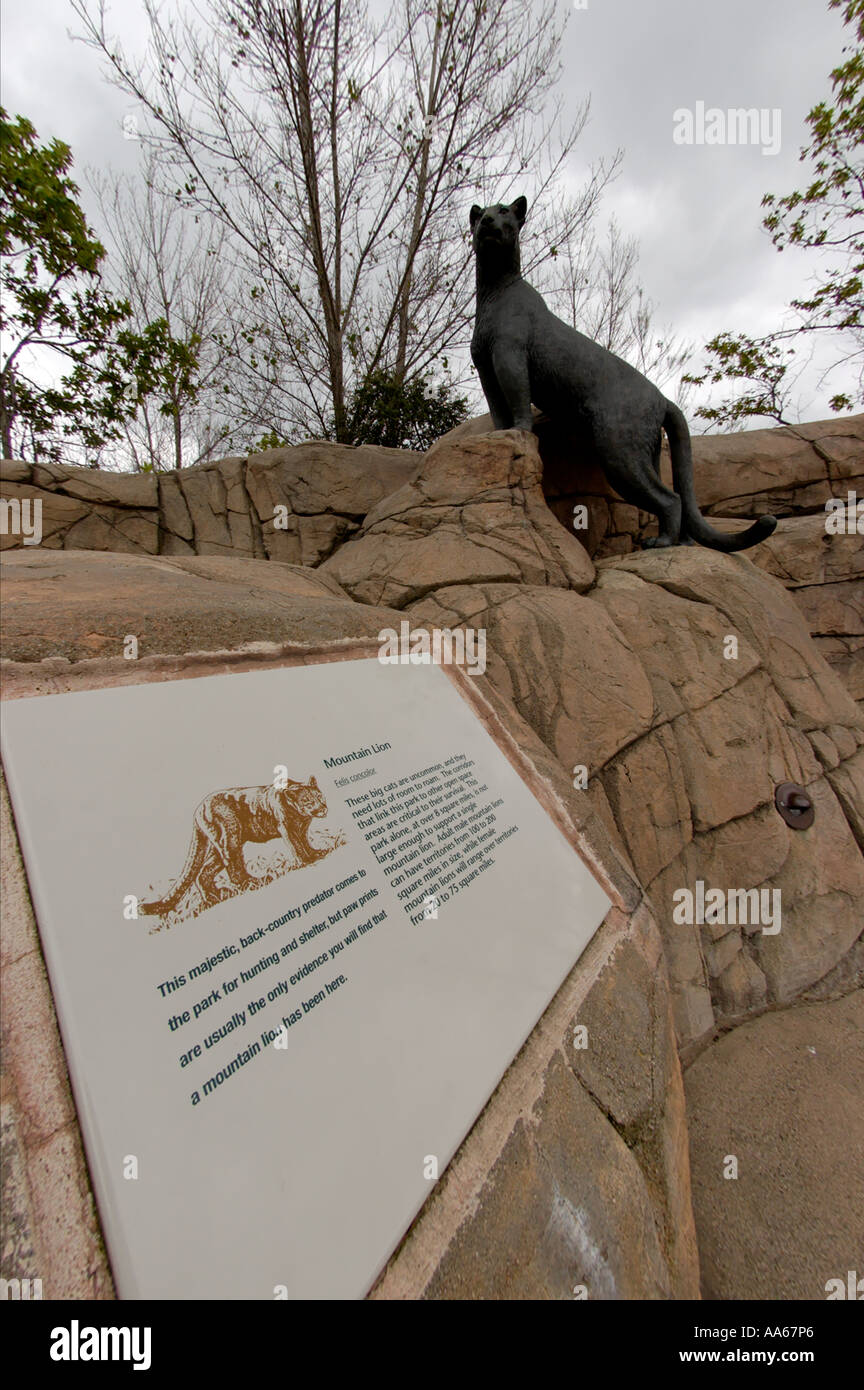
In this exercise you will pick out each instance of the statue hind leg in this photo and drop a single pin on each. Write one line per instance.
(684, 537)
(638, 482)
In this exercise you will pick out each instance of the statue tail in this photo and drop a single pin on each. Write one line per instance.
(694, 523)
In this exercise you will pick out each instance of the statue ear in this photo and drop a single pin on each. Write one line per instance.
(474, 216)
(520, 207)
(313, 783)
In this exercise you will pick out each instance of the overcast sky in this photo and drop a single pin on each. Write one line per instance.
(695, 209)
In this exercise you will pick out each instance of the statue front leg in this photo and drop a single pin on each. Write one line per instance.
(511, 372)
(502, 418)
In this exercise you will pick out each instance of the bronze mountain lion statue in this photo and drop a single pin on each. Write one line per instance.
(612, 413)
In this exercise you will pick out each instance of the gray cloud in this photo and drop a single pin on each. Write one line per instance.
(704, 260)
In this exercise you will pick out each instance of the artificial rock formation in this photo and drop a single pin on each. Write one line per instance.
(781, 1094)
(630, 1236)
(824, 573)
(83, 605)
(790, 471)
(473, 512)
(684, 738)
(301, 504)
(660, 697)
(291, 504)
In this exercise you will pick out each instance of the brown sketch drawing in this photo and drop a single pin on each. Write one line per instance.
(217, 868)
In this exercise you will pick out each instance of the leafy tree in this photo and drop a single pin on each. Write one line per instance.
(55, 310)
(403, 413)
(271, 440)
(827, 215)
(389, 410)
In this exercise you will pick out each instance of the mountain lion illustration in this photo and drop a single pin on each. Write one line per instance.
(524, 353)
(223, 823)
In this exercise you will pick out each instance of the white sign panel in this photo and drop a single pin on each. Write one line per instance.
(297, 922)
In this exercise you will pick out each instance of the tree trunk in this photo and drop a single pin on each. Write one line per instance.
(419, 201)
(6, 418)
(332, 324)
(178, 437)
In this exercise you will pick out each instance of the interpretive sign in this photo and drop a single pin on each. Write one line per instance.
(297, 922)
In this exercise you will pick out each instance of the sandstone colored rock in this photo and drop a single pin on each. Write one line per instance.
(558, 659)
(629, 1066)
(577, 1173)
(791, 472)
(79, 605)
(320, 477)
(325, 489)
(801, 553)
(848, 783)
(759, 612)
(680, 644)
(545, 1211)
(781, 1094)
(15, 471)
(302, 504)
(93, 485)
(50, 1223)
(59, 514)
(174, 509)
(729, 754)
(205, 495)
(224, 508)
(684, 741)
(113, 528)
(243, 526)
(824, 571)
(784, 470)
(474, 513)
(835, 616)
